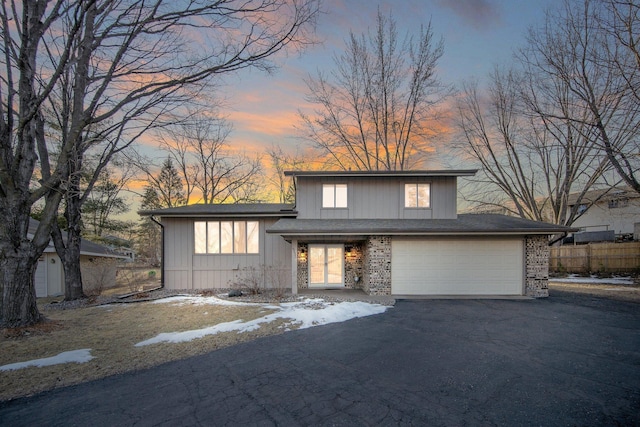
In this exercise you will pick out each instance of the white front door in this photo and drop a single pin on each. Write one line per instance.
(326, 266)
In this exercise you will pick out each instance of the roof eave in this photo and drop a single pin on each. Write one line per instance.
(220, 215)
(455, 172)
(521, 232)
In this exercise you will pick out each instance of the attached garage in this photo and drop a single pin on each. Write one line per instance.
(457, 266)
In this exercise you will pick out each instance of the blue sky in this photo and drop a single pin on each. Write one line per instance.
(477, 35)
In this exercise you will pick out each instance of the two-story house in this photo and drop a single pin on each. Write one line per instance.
(387, 233)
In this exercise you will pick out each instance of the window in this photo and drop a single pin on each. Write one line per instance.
(417, 195)
(334, 195)
(618, 203)
(227, 237)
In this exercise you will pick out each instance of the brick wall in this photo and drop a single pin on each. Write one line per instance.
(353, 265)
(537, 266)
(303, 265)
(377, 266)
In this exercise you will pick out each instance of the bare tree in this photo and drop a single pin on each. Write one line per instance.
(620, 19)
(129, 62)
(376, 109)
(592, 47)
(282, 161)
(530, 163)
(198, 146)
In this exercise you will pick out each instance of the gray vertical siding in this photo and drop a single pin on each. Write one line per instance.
(186, 270)
(376, 198)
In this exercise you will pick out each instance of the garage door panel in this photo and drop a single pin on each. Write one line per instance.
(457, 267)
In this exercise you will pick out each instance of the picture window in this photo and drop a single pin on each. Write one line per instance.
(227, 237)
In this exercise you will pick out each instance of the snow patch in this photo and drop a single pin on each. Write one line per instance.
(304, 314)
(179, 300)
(74, 356)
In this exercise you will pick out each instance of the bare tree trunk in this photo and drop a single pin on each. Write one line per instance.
(72, 274)
(70, 256)
(18, 300)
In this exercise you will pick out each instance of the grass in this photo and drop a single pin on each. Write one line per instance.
(111, 333)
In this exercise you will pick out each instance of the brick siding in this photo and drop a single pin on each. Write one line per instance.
(303, 265)
(377, 266)
(537, 266)
(353, 265)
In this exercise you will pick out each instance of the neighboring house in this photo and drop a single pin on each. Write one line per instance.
(616, 210)
(97, 264)
(387, 233)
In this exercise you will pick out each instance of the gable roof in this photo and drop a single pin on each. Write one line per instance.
(86, 247)
(403, 173)
(223, 210)
(465, 224)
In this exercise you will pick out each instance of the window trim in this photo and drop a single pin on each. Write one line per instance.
(417, 192)
(333, 187)
(236, 228)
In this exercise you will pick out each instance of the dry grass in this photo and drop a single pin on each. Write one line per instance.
(630, 293)
(111, 332)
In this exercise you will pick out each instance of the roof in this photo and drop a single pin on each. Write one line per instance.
(465, 224)
(604, 195)
(403, 173)
(86, 247)
(223, 210)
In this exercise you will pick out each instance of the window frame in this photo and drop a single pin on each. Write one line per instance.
(416, 187)
(333, 194)
(233, 237)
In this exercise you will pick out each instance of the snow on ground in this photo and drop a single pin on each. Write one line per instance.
(75, 356)
(574, 278)
(200, 300)
(305, 314)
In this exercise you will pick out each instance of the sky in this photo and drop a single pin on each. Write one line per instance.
(264, 108)
(477, 34)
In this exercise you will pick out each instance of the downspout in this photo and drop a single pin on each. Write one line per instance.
(161, 250)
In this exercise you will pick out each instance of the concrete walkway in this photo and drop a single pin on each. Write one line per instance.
(565, 360)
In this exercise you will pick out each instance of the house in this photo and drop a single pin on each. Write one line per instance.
(387, 233)
(97, 264)
(615, 210)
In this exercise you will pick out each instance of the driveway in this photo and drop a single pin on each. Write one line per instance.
(565, 360)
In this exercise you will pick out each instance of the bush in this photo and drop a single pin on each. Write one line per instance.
(255, 280)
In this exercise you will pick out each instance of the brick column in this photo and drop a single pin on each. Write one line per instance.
(377, 266)
(537, 266)
(303, 266)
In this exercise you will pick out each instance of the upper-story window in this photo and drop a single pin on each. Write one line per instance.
(334, 195)
(417, 195)
(227, 237)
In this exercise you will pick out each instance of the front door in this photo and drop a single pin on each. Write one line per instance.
(326, 266)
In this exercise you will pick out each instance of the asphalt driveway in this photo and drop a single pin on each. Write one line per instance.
(565, 360)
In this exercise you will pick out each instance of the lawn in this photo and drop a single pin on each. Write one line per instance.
(164, 330)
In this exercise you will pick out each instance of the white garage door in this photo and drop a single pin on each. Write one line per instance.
(457, 267)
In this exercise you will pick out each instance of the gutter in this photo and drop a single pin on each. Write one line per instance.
(161, 250)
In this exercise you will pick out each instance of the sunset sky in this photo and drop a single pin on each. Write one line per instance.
(263, 108)
(477, 34)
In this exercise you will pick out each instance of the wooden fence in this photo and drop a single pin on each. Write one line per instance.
(596, 257)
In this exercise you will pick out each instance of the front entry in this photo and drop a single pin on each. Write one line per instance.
(326, 266)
